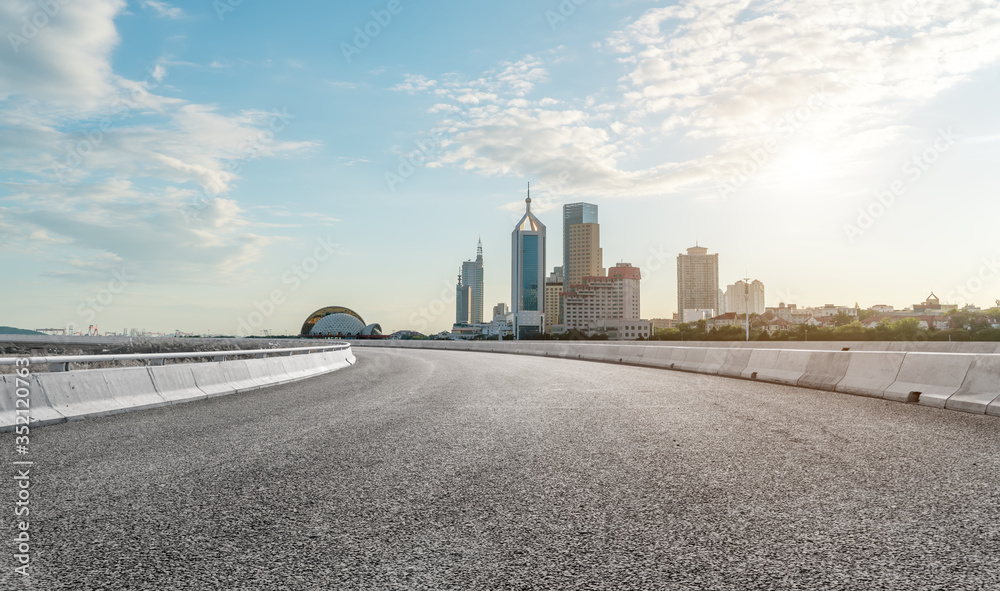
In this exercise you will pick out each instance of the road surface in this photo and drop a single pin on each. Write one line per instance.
(455, 470)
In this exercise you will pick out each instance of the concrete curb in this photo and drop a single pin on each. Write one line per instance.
(57, 397)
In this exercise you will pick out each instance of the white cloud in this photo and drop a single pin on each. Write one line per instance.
(109, 167)
(164, 10)
(728, 77)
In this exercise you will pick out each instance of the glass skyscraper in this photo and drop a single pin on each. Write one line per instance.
(528, 274)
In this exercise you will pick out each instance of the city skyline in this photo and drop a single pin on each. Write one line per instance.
(163, 168)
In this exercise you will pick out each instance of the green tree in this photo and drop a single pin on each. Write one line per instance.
(842, 319)
(906, 329)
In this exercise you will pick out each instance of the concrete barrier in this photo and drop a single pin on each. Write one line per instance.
(778, 366)
(690, 359)
(219, 378)
(870, 373)
(824, 369)
(633, 354)
(297, 367)
(132, 388)
(59, 396)
(735, 362)
(39, 412)
(657, 357)
(712, 361)
(929, 378)
(980, 388)
(175, 382)
(957, 376)
(78, 394)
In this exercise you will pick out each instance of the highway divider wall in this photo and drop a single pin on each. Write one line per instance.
(56, 397)
(955, 376)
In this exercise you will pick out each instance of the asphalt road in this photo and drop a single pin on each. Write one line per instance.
(454, 470)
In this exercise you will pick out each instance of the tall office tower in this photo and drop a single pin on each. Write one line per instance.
(738, 294)
(472, 276)
(463, 302)
(582, 254)
(697, 284)
(527, 274)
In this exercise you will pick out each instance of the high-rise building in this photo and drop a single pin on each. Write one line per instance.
(463, 302)
(472, 277)
(697, 284)
(738, 293)
(527, 274)
(500, 309)
(553, 289)
(582, 254)
(607, 305)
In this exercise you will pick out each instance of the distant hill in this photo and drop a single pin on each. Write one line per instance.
(12, 330)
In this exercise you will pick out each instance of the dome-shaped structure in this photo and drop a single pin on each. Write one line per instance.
(371, 330)
(318, 315)
(338, 324)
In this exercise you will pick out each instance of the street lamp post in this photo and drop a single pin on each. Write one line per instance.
(746, 303)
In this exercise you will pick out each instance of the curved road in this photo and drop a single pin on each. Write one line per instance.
(453, 470)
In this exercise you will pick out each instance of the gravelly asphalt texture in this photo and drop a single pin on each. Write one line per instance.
(454, 470)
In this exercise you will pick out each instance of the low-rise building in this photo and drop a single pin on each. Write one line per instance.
(727, 319)
(770, 323)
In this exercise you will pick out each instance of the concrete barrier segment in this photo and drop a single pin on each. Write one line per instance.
(132, 387)
(735, 362)
(869, 373)
(824, 369)
(34, 408)
(980, 388)
(78, 394)
(175, 382)
(929, 378)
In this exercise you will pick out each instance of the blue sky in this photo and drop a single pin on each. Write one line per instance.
(203, 166)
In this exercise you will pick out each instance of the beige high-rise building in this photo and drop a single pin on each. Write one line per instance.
(697, 284)
(552, 291)
(738, 294)
(585, 253)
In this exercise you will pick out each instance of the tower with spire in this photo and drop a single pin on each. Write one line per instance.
(527, 273)
(471, 278)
